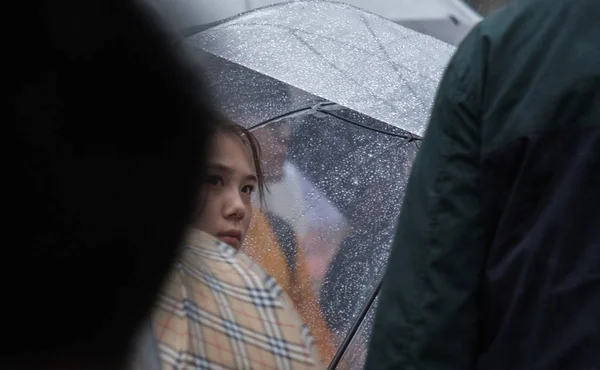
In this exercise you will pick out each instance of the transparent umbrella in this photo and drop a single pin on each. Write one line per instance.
(339, 99)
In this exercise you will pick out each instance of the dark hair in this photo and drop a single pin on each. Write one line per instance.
(225, 125)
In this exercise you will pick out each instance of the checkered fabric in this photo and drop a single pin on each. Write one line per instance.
(219, 310)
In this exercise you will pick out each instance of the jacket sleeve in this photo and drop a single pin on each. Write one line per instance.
(427, 311)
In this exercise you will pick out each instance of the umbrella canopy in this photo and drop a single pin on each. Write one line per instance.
(338, 99)
(340, 53)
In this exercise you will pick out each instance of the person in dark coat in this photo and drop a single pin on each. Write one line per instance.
(105, 126)
(496, 260)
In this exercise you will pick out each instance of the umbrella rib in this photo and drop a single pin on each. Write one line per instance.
(357, 324)
(409, 138)
(294, 112)
(311, 109)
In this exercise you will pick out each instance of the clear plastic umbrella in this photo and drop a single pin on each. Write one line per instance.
(340, 53)
(339, 99)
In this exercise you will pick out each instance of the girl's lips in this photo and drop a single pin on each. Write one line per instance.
(232, 238)
(233, 241)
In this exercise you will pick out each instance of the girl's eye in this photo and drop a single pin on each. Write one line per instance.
(215, 180)
(248, 189)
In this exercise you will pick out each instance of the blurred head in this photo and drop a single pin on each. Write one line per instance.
(99, 199)
(274, 140)
(233, 175)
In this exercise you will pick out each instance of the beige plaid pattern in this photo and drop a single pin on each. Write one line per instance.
(219, 310)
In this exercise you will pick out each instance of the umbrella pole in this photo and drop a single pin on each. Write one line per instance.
(359, 320)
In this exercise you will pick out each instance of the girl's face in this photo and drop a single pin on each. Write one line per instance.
(226, 207)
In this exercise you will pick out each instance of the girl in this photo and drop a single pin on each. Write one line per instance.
(218, 309)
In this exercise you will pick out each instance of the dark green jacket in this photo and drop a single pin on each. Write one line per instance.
(496, 259)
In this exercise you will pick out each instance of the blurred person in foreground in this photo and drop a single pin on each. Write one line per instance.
(496, 261)
(219, 309)
(105, 134)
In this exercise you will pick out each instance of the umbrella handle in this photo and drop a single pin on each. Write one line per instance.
(359, 320)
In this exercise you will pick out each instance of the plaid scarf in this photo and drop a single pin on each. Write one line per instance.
(219, 310)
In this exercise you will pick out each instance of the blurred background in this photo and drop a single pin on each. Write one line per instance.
(447, 20)
(485, 7)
